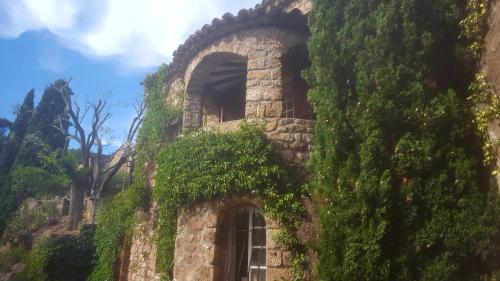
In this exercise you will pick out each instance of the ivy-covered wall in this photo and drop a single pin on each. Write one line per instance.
(404, 186)
(401, 171)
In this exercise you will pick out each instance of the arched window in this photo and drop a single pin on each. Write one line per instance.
(295, 103)
(224, 90)
(245, 258)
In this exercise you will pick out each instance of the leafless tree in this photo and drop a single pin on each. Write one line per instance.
(93, 173)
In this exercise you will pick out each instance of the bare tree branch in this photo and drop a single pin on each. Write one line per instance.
(99, 173)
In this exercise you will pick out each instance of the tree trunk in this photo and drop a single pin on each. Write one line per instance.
(76, 205)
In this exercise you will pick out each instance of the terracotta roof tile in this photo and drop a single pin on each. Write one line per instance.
(270, 13)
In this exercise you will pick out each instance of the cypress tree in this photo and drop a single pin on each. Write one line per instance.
(398, 161)
(5, 127)
(17, 132)
(8, 200)
(48, 111)
(42, 136)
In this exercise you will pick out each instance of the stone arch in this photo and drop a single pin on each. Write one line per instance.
(276, 268)
(219, 69)
(200, 247)
(263, 49)
(226, 210)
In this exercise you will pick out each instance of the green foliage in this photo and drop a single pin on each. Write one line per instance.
(38, 182)
(397, 164)
(117, 217)
(12, 256)
(117, 183)
(5, 127)
(114, 223)
(17, 133)
(205, 165)
(49, 110)
(62, 258)
(485, 105)
(159, 115)
(31, 216)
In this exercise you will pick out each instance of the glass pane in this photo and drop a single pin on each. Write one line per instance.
(258, 220)
(258, 275)
(241, 254)
(259, 237)
(241, 220)
(258, 257)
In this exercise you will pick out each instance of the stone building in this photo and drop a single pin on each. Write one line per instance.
(244, 66)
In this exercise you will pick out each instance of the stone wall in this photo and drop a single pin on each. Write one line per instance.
(142, 260)
(293, 138)
(90, 210)
(175, 94)
(199, 246)
(263, 48)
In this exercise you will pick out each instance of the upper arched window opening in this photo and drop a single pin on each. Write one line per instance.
(295, 88)
(224, 90)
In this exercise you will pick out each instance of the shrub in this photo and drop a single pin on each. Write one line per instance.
(62, 258)
(12, 255)
(31, 216)
(38, 182)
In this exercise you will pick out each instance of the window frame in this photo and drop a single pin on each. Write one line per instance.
(261, 266)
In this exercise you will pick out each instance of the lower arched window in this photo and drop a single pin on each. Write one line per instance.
(245, 258)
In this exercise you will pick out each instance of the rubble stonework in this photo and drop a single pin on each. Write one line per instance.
(263, 48)
(262, 38)
(199, 247)
(293, 138)
(142, 260)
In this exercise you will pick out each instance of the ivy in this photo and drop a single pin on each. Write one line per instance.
(159, 115)
(398, 163)
(114, 223)
(116, 218)
(485, 105)
(208, 165)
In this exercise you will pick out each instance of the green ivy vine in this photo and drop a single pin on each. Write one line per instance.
(206, 165)
(116, 218)
(398, 163)
(114, 223)
(159, 115)
(485, 104)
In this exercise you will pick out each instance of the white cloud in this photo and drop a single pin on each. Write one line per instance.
(139, 33)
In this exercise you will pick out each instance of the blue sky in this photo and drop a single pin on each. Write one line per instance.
(104, 45)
